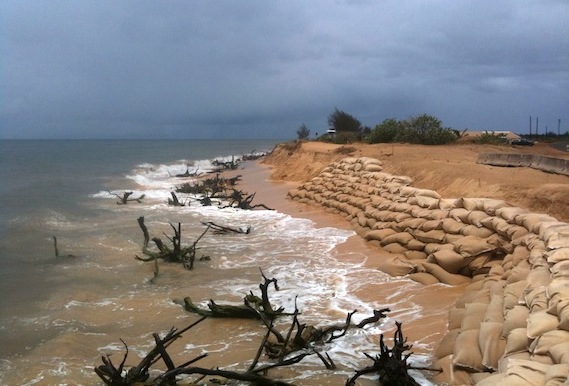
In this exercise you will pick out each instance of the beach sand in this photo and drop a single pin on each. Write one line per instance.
(435, 300)
(453, 173)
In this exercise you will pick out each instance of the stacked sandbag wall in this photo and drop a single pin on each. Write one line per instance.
(511, 326)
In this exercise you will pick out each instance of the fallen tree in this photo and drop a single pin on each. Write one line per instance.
(285, 349)
(176, 253)
(253, 307)
(125, 198)
(391, 363)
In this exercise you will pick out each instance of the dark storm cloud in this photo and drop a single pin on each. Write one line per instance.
(260, 68)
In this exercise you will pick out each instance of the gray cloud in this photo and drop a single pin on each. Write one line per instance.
(260, 69)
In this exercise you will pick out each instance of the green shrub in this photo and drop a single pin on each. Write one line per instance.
(426, 130)
(386, 132)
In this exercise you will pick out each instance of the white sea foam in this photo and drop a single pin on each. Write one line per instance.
(292, 250)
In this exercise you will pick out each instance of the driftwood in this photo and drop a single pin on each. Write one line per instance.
(215, 187)
(301, 336)
(221, 229)
(56, 248)
(391, 363)
(124, 199)
(174, 200)
(253, 307)
(291, 347)
(241, 200)
(112, 375)
(188, 174)
(222, 166)
(177, 253)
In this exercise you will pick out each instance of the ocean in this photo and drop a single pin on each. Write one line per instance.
(60, 314)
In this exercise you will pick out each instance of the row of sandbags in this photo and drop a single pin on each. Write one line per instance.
(512, 324)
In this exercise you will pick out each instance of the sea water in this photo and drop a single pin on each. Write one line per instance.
(60, 314)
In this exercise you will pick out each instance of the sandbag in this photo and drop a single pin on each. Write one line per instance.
(473, 316)
(515, 318)
(467, 352)
(434, 236)
(455, 316)
(541, 345)
(450, 225)
(444, 276)
(560, 352)
(557, 375)
(415, 245)
(415, 255)
(395, 266)
(401, 238)
(379, 234)
(558, 255)
(430, 225)
(449, 260)
(494, 312)
(473, 230)
(446, 345)
(517, 341)
(475, 217)
(395, 248)
(513, 292)
(423, 278)
(540, 322)
(450, 374)
(470, 246)
(491, 343)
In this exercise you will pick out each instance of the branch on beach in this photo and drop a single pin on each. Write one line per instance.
(56, 248)
(125, 198)
(221, 229)
(253, 307)
(241, 200)
(113, 375)
(188, 174)
(391, 363)
(175, 201)
(284, 349)
(306, 336)
(175, 253)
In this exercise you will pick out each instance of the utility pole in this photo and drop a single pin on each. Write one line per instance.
(530, 126)
(536, 126)
(558, 127)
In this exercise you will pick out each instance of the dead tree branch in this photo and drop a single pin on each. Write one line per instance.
(391, 363)
(124, 199)
(175, 254)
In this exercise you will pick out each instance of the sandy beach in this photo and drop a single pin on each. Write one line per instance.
(452, 173)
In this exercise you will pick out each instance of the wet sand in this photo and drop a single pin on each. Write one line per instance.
(426, 329)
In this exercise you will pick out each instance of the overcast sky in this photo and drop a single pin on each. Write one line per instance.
(259, 68)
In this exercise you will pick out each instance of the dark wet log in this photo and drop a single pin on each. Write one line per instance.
(124, 199)
(55, 246)
(238, 199)
(188, 174)
(114, 376)
(301, 336)
(390, 364)
(229, 165)
(220, 229)
(253, 307)
(174, 200)
(176, 253)
(221, 310)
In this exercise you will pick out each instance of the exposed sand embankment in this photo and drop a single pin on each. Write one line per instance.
(507, 252)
